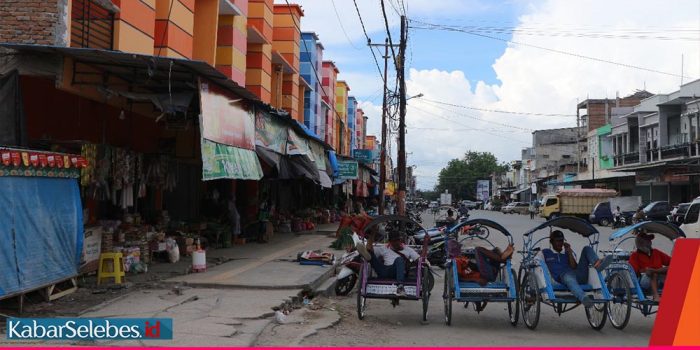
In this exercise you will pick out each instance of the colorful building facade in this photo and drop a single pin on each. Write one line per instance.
(329, 78)
(341, 128)
(310, 69)
(351, 125)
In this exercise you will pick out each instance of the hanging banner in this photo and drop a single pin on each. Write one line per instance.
(347, 169)
(270, 132)
(482, 190)
(226, 162)
(319, 155)
(223, 119)
(297, 145)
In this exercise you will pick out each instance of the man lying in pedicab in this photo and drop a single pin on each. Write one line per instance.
(564, 268)
(481, 264)
(392, 260)
(649, 264)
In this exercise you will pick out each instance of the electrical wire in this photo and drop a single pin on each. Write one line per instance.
(369, 41)
(469, 116)
(388, 33)
(446, 28)
(500, 111)
(337, 15)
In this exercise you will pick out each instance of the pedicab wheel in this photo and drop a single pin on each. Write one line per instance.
(425, 292)
(597, 314)
(514, 306)
(361, 300)
(530, 301)
(604, 222)
(447, 295)
(620, 306)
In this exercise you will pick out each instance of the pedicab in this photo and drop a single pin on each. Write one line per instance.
(419, 279)
(538, 287)
(502, 288)
(622, 280)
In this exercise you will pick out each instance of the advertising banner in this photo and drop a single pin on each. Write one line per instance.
(270, 132)
(226, 162)
(483, 189)
(223, 120)
(348, 169)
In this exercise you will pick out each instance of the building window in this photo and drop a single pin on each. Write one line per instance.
(92, 26)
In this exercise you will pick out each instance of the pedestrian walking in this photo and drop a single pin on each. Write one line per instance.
(532, 209)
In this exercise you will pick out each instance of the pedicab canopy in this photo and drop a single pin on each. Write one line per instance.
(571, 223)
(484, 222)
(665, 229)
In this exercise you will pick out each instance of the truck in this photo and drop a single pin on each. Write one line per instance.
(602, 213)
(576, 202)
(445, 198)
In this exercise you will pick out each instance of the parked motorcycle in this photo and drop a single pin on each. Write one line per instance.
(351, 262)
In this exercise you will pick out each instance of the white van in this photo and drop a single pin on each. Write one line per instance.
(691, 224)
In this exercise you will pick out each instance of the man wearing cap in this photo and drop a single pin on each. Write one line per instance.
(650, 264)
(564, 268)
(389, 261)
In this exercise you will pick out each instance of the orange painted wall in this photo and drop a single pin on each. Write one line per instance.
(134, 26)
(204, 45)
(286, 38)
(174, 28)
(258, 73)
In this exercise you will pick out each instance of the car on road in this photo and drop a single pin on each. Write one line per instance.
(469, 204)
(678, 213)
(516, 207)
(433, 204)
(658, 210)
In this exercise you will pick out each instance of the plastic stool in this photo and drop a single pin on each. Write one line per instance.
(117, 263)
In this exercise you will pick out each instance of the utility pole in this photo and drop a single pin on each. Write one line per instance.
(402, 120)
(382, 150)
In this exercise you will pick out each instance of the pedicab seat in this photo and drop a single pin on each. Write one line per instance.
(389, 281)
(489, 288)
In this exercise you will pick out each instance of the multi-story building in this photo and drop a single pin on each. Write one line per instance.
(328, 82)
(352, 122)
(286, 37)
(659, 141)
(258, 74)
(360, 129)
(341, 119)
(311, 58)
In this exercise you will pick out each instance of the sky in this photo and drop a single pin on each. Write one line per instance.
(535, 58)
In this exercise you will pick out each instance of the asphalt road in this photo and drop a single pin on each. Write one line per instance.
(402, 326)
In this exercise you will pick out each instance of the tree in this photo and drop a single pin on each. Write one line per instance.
(459, 177)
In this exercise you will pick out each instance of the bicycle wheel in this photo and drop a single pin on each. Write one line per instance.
(598, 313)
(530, 301)
(361, 300)
(514, 306)
(447, 295)
(620, 307)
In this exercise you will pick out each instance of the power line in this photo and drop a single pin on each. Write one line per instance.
(469, 116)
(341, 25)
(446, 28)
(388, 32)
(369, 41)
(501, 111)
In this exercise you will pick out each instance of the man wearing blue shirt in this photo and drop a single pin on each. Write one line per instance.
(564, 268)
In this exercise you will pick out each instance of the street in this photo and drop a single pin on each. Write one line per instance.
(401, 326)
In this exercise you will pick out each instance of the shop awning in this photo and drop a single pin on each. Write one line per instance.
(325, 179)
(334, 163)
(269, 156)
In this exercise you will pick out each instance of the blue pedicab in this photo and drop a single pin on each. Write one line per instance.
(419, 281)
(537, 286)
(502, 289)
(622, 280)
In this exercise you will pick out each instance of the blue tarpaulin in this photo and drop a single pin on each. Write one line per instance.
(41, 232)
(334, 163)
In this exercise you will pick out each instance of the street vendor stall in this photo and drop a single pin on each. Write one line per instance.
(41, 221)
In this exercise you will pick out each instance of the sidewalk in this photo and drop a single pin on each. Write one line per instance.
(232, 302)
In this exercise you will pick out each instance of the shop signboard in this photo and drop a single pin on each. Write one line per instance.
(363, 155)
(227, 162)
(270, 132)
(224, 120)
(482, 190)
(91, 249)
(297, 145)
(347, 169)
